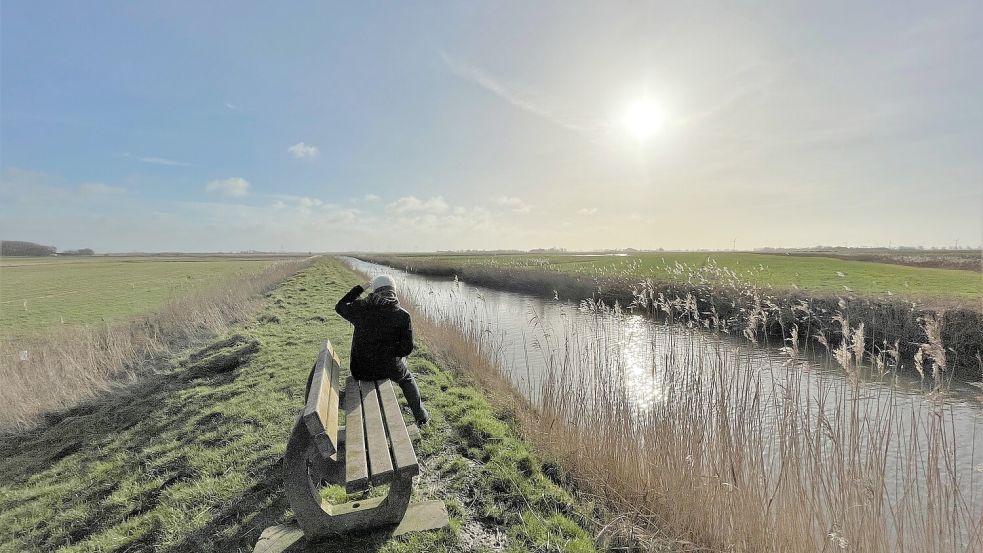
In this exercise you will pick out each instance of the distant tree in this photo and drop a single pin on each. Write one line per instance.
(25, 249)
(83, 251)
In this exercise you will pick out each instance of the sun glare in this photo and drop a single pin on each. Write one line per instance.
(643, 119)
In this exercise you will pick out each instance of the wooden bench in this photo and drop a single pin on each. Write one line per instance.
(372, 449)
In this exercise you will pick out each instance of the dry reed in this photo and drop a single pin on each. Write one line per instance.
(727, 460)
(724, 297)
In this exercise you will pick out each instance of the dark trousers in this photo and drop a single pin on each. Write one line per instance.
(407, 383)
(402, 378)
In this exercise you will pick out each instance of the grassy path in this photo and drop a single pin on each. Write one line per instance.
(188, 459)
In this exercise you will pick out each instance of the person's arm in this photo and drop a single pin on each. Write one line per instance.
(344, 307)
(404, 344)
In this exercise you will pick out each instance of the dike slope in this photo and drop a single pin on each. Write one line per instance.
(189, 459)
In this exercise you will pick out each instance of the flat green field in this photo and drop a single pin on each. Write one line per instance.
(40, 292)
(817, 274)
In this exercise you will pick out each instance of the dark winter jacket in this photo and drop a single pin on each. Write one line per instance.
(383, 334)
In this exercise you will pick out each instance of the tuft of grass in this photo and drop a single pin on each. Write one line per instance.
(220, 357)
(555, 533)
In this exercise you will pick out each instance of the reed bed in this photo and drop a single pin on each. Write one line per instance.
(717, 296)
(717, 455)
(49, 372)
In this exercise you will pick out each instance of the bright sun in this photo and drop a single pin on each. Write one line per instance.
(643, 119)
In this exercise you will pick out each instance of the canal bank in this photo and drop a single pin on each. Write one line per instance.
(709, 437)
(720, 298)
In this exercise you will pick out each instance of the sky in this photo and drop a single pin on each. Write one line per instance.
(323, 126)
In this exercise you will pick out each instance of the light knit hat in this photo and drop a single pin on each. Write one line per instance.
(383, 280)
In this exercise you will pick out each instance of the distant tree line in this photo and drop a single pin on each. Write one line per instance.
(17, 248)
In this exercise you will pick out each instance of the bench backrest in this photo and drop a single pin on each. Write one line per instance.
(321, 412)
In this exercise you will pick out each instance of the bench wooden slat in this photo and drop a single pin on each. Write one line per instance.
(380, 459)
(321, 411)
(356, 463)
(331, 428)
(404, 456)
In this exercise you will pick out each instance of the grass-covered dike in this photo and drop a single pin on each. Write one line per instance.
(188, 458)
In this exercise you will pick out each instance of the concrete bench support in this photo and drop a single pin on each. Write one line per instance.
(318, 451)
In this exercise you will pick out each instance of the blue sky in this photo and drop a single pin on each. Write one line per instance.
(324, 126)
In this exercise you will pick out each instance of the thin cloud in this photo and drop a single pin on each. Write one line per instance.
(310, 202)
(234, 187)
(300, 201)
(412, 204)
(231, 106)
(94, 188)
(368, 198)
(587, 211)
(753, 80)
(158, 160)
(511, 93)
(515, 204)
(301, 150)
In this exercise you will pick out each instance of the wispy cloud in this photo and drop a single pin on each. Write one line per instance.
(299, 201)
(234, 187)
(412, 204)
(158, 160)
(517, 95)
(587, 211)
(301, 150)
(310, 202)
(515, 204)
(367, 198)
(93, 188)
(231, 106)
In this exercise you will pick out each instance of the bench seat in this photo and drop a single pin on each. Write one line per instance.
(377, 442)
(373, 448)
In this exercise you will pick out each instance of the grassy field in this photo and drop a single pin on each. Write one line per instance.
(814, 274)
(969, 260)
(37, 293)
(188, 459)
(56, 367)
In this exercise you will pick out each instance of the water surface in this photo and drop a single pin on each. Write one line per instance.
(531, 334)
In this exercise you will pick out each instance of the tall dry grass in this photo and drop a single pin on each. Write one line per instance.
(724, 459)
(714, 294)
(66, 366)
